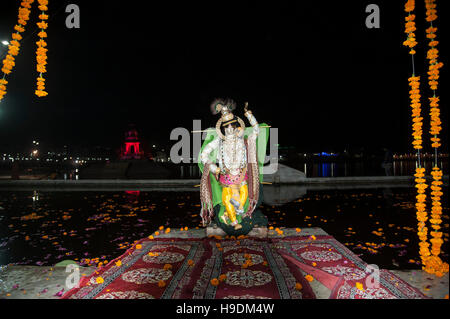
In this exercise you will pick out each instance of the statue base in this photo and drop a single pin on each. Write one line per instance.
(258, 232)
(257, 221)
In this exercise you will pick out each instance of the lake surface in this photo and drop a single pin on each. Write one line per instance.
(45, 227)
(339, 168)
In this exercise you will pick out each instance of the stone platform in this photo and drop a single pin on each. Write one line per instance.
(39, 282)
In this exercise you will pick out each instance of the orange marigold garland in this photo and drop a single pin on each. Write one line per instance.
(414, 94)
(14, 45)
(433, 263)
(41, 52)
(430, 259)
(410, 27)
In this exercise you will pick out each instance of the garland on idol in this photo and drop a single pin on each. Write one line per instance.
(14, 46)
(430, 259)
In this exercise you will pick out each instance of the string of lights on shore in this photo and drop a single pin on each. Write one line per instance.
(431, 262)
(14, 46)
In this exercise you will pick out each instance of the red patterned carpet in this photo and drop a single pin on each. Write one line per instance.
(210, 268)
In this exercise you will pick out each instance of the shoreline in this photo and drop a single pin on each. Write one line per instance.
(192, 184)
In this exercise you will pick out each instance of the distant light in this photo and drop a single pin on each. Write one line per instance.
(4, 42)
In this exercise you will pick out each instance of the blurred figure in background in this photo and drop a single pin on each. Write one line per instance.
(388, 161)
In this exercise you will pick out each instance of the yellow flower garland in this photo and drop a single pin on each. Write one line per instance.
(430, 259)
(41, 52)
(14, 45)
(410, 27)
(433, 264)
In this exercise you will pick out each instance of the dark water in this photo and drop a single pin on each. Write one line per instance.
(43, 228)
(339, 169)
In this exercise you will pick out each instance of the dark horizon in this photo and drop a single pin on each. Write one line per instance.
(312, 70)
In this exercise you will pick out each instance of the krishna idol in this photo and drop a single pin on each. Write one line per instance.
(231, 160)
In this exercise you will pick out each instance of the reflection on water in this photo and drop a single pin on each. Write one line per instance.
(45, 227)
(280, 195)
(366, 168)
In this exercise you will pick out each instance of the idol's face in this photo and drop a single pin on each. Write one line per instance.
(229, 130)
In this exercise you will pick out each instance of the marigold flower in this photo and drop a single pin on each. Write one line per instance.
(19, 28)
(42, 25)
(99, 280)
(309, 278)
(222, 277)
(298, 286)
(167, 266)
(214, 282)
(161, 283)
(40, 93)
(190, 262)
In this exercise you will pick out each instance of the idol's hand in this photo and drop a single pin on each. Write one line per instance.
(216, 173)
(247, 112)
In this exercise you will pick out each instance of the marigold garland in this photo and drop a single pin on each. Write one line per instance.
(14, 45)
(414, 94)
(41, 52)
(410, 27)
(430, 259)
(433, 264)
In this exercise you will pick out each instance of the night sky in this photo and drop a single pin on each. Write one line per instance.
(310, 68)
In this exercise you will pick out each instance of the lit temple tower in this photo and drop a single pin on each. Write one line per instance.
(132, 149)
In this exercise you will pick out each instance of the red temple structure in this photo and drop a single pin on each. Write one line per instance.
(132, 148)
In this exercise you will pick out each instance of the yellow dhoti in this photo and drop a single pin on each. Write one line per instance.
(240, 194)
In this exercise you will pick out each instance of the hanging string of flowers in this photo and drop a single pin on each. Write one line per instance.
(430, 259)
(434, 263)
(41, 52)
(14, 44)
(414, 94)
